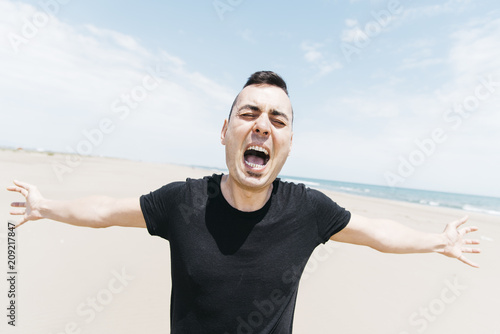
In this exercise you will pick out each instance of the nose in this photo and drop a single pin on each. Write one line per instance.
(262, 126)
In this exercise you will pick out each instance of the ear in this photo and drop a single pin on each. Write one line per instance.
(291, 142)
(223, 132)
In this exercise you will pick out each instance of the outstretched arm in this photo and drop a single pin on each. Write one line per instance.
(390, 237)
(96, 211)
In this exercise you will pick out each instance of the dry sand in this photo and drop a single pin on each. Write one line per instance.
(67, 275)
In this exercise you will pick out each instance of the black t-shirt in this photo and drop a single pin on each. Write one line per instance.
(234, 271)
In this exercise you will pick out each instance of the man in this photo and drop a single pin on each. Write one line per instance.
(239, 242)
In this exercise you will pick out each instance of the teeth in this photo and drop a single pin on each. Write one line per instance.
(254, 165)
(258, 148)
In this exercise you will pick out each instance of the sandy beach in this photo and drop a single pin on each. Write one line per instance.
(117, 280)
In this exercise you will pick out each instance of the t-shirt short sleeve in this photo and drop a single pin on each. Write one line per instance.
(330, 217)
(156, 207)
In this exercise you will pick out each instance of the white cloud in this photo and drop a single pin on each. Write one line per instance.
(117, 38)
(311, 54)
(353, 34)
(450, 6)
(423, 54)
(411, 63)
(247, 35)
(320, 61)
(65, 79)
(476, 50)
(404, 115)
(360, 33)
(351, 22)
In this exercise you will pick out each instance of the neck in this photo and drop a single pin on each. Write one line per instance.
(243, 199)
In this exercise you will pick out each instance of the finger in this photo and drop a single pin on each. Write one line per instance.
(459, 222)
(21, 223)
(471, 250)
(464, 231)
(14, 188)
(467, 261)
(20, 190)
(472, 242)
(18, 204)
(17, 213)
(22, 184)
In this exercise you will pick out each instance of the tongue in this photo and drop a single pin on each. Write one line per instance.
(254, 159)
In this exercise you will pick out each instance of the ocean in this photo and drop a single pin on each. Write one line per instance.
(471, 203)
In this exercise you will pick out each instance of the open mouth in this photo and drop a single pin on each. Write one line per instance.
(256, 157)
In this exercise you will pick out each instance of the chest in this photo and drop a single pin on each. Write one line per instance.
(239, 253)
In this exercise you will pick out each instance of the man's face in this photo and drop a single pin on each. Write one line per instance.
(258, 137)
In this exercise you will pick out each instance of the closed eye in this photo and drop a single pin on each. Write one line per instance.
(248, 115)
(279, 123)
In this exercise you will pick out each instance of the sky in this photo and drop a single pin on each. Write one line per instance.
(395, 93)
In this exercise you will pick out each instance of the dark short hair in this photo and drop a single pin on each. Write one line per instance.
(262, 78)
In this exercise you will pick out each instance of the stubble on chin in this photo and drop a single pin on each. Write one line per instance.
(253, 174)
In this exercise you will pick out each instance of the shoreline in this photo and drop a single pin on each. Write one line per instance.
(295, 179)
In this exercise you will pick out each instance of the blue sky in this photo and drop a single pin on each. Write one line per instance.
(399, 93)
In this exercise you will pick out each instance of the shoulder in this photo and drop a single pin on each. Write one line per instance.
(210, 183)
(296, 189)
(293, 194)
(299, 191)
(167, 189)
(189, 184)
(289, 188)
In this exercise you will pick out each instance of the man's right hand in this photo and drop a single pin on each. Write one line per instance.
(32, 205)
(94, 211)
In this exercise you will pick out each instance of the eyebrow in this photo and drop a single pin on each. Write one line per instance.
(273, 112)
